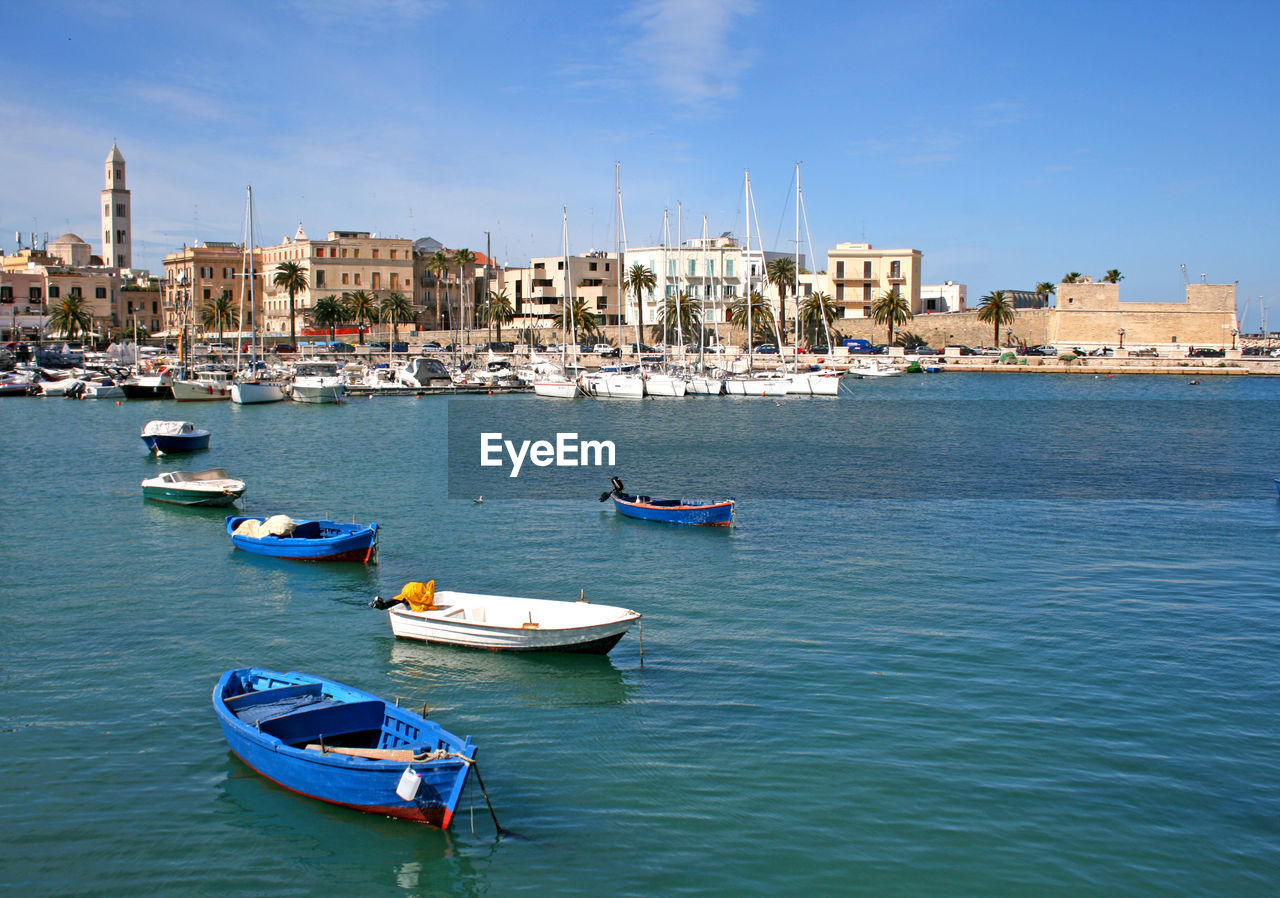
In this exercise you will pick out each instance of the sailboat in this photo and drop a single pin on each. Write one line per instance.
(807, 383)
(750, 383)
(617, 383)
(556, 384)
(701, 382)
(249, 386)
(658, 381)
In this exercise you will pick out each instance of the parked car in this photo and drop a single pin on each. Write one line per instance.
(1149, 352)
(1102, 352)
(601, 347)
(820, 349)
(766, 349)
(499, 346)
(631, 347)
(399, 347)
(283, 347)
(859, 347)
(431, 346)
(612, 352)
(1031, 350)
(1205, 353)
(967, 350)
(339, 346)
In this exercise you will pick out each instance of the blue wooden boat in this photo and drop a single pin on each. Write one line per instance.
(304, 540)
(163, 437)
(670, 511)
(342, 745)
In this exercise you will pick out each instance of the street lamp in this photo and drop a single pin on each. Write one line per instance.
(1234, 334)
(1121, 333)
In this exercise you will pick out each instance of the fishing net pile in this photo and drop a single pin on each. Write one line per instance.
(276, 525)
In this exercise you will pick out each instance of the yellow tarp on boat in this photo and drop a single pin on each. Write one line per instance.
(418, 596)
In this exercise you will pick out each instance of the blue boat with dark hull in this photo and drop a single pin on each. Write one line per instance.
(670, 511)
(342, 745)
(164, 437)
(281, 537)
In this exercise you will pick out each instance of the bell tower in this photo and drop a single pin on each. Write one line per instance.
(116, 230)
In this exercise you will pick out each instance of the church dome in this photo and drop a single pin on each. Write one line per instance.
(70, 238)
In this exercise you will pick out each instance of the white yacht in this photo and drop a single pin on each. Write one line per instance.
(318, 382)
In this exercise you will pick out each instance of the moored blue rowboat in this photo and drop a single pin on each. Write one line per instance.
(342, 745)
(309, 540)
(174, 436)
(670, 511)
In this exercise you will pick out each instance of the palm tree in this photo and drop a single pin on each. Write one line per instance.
(438, 264)
(581, 319)
(293, 278)
(1113, 276)
(498, 310)
(678, 315)
(218, 313)
(639, 280)
(1044, 290)
(329, 311)
(781, 272)
(363, 308)
(398, 310)
(996, 308)
(761, 317)
(462, 258)
(815, 315)
(893, 309)
(1071, 277)
(71, 317)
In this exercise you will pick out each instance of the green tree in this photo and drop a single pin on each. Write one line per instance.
(761, 317)
(816, 313)
(1113, 276)
(438, 264)
(781, 272)
(639, 279)
(292, 277)
(1071, 277)
(462, 258)
(677, 310)
(363, 309)
(71, 318)
(329, 311)
(996, 308)
(498, 311)
(396, 309)
(1044, 290)
(892, 309)
(582, 320)
(218, 313)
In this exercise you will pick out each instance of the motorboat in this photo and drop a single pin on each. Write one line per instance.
(164, 437)
(874, 368)
(318, 382)
(206, 488)
(604, 384)
(505, 623)
(207, 384)
(670, 511)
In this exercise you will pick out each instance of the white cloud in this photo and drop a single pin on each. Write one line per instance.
(687, 47)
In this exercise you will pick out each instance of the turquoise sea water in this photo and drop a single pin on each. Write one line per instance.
(983, 689)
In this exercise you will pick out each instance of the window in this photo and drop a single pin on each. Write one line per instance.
(375, 254)
(99, 292)
(895, 269)
(54, 291)
(711, 268)
(319, 277)
(839, 271)
(671, 268)
(345, 278)
(866, 270)
(119, 236)
(155, 308)
(593, 266)
(333, 252)
(33, 293)
(375, 279)
(106, 208)
(606, 266)
(120, 209)
(560, 265)
(866, 311)
(206, 292)
(344, 252)
(357, 279)
(6, 292)
(106, 238)
(601, 304)
(728, 268)
(866, 293)
(839, 292)
(693, 267)
(355, 253)
(393, 254)
(393, 279)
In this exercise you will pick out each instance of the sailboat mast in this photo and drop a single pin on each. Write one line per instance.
(244, 256)
(255, 339)
(564, 308)
(679, 276)
(702, 300)
(617, 247)
(747, 274)
(795, 289)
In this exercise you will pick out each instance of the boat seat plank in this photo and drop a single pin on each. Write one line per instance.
(265, 696)
(374, 754)
(326, 721)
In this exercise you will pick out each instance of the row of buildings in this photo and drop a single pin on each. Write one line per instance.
(711, 271)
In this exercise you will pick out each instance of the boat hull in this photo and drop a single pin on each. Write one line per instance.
(177, 496)
(342, 542)
(507, 624)
(556, 389)
(200, 391)
(257, 393)
(716, 514)
(755, 386)
(363, 783)
(179, 443)
(614, 386)
(318, 393)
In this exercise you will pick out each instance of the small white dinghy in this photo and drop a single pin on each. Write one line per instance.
(505, 623)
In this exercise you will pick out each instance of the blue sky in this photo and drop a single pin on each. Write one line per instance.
(1010, 142)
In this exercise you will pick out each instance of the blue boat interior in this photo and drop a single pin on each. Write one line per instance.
(301, 714)
(666, 503)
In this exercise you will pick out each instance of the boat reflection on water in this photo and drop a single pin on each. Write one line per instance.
(418, 671)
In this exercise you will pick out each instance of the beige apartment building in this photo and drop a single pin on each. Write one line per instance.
(344, 262)
(859, 274)
(196, 274)
(536, 292)
(33, 281)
